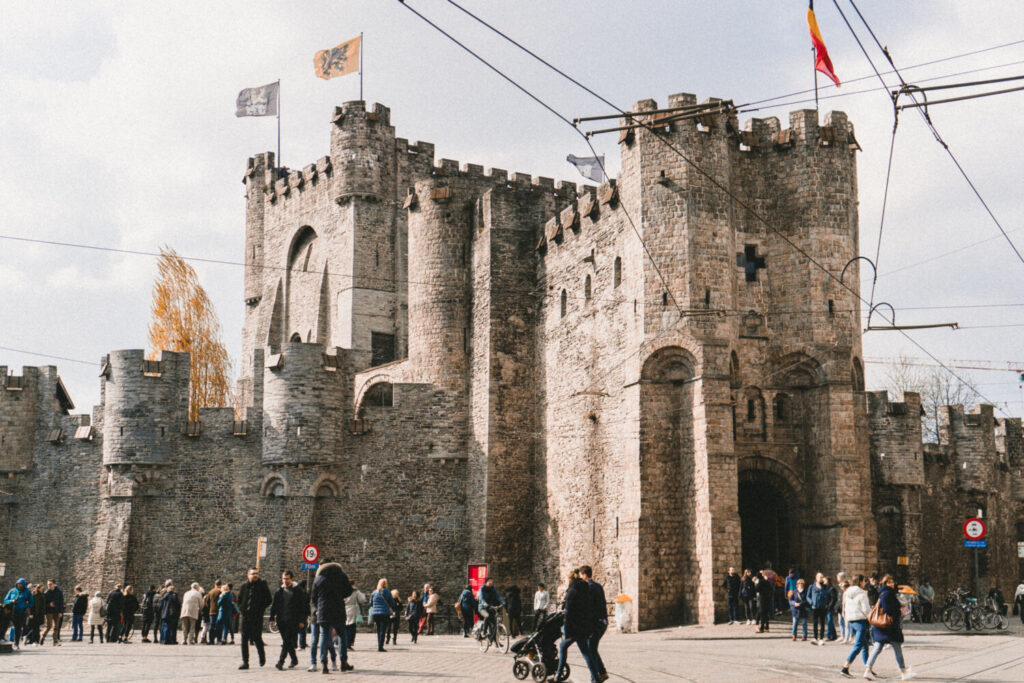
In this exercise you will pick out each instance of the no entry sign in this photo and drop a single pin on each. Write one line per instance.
(310, 554)
(974, 529)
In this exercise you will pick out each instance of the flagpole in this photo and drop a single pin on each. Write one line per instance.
(279, 164)
(360, 65)
(814, 58)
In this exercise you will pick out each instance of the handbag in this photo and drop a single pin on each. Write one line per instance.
(878, 618)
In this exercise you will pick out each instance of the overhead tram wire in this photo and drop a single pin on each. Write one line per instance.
(47, 355)
(924, 114)
(567, 122)
(696, 167)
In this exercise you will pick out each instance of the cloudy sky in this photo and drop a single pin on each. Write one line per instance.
(117, 130)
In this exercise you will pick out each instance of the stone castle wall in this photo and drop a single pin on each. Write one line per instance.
(443, 365)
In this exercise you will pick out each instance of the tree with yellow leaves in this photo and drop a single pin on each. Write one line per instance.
(184, 320)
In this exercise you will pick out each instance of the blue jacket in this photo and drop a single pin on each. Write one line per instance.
(890, 604)
(489, 597)
(381, 602)
(818, 596)
(798, 603)
(467, 601)
(21, 598)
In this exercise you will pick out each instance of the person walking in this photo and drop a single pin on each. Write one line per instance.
(599, 612)
(131, 606)
(430, 609)
(927, 595)
(856, 607)
(95, 616)
(467, 608)
(115, 603)
(321, 637)
(731, 587)
(38, 614)
(840, 588)
(21, 602)
(799, 603)
(330, 589)
(413, 614)
(818, 596)
(381, 607)
(579, 623)
(1018, 599)
(541, 599)
(170, 611)
(253, 599)
(289, 610)
(210, 610)
(514, 603)
(353, 613)
(892, 635)
(78, 609)
(191, 604)
(765, 589)
(748, 594)
(148, 607)
(54, 601)
(396, 619)
(227, 610)
(833, 600)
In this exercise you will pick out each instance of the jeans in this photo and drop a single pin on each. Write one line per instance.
(734, 608)
(321, 636)
(876, 650)
(19, 628)
(92, 632)
(350, 635)
(225, 629)
(76, 627)
(381, 621)
(748, 609)
(467, 621)
(113, 626)
(830, 625)
(819, 622)
(844, 628)
(413, 629)
(169, 632)
(797, 619)
(584, 646)
(859, 633)
(595, 640)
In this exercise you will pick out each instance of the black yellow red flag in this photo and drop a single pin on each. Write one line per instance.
(822, 62)
(337, 61)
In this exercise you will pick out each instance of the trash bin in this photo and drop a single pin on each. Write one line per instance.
(624, 613)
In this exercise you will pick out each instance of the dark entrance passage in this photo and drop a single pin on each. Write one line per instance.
(767, 521)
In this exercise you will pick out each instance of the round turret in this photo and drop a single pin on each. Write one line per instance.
(303, 407)
(145, 406)
(439, 258)
(362, 152)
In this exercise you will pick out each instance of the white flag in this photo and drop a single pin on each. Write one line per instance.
(261, 101)
(589, 167)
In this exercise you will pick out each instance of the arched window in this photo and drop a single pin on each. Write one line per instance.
(857, 375)
(617, 273)
(277, 490)
(564, 303)
(781, 409)
(296, 337)
(586, 289)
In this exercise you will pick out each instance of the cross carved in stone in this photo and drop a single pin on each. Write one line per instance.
(750, 262)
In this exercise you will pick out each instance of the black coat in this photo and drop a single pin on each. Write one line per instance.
(148, 603)
(81, 605)
(514, 602)
(579, 619)
(330, 588)
(290, 605)
(253, 599)
(131, 604)
(731, 585)
(765, 592)
(115, 602)
(170, 606)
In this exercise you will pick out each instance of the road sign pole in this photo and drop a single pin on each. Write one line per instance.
(977, 576)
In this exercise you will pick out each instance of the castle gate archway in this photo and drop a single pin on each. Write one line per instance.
(666, 540)
(769, 506)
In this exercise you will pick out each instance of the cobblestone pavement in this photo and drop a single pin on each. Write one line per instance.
(692, 653)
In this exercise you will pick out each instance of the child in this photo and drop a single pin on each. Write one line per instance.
(798, 605)
(413, 614)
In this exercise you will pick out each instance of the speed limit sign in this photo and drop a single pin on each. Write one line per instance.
(310, 554)
(974, 529)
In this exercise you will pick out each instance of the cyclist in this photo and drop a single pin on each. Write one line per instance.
(489, 603)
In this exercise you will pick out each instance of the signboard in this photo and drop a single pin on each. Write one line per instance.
(1020, 551)
(310, 554)
(309, 566)
(974, 529)
(975, 544)
(902, 560)
(477, 575)
(262, 543)
(3, 568)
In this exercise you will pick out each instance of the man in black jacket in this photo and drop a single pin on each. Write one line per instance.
(731, 586)
(115, 603)
(289, 610)
(253, 600)
(330, 588)
(579, 623)
(78, 610)
(147, 613)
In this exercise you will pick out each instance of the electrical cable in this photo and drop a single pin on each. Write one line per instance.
(696, 167)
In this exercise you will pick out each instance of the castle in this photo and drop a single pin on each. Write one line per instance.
(443, 365)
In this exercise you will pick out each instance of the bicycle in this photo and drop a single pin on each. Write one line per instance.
(487, 633)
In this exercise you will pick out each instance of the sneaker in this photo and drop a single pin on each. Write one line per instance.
(804, 638)
(312, 667)
(907, 675)
(868, 675)
(731, 623)
(846, 672)
(334, 666)
(794, 637)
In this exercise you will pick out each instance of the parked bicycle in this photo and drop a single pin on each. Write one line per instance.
(962, 610)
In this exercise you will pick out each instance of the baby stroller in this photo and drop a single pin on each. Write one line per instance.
(536, 654)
